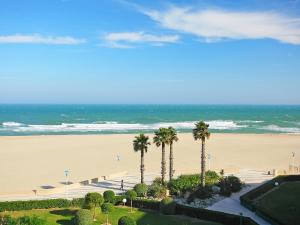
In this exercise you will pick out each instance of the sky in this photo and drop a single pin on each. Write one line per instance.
(150, 52)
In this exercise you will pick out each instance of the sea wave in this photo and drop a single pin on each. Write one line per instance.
(119, 127)
(11, 124)
(281, 129)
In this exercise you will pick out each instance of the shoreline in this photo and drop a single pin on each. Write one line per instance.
(31, 162)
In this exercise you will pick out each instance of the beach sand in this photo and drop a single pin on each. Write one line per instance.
(32, 162)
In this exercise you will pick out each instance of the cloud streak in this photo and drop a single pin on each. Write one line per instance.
(129, 39)
(40, 39)
(215, 25)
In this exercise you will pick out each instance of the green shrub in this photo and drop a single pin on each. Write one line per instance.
(189, 182)
(235, 183)
(107, 208)
(35, 204)
(141, 190)
(184, 183)
(34, 220)
(109, 196)
(83, 217)
(92, 200)
(126, 220)
(203, 192)
(157, 180)
(211, 178)
(157, 191)
(24, 220)
(230, 184)
(167, 206)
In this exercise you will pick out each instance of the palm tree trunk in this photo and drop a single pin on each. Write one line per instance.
(163, 163)
(142, 166)
(171, 162)
(203, 157)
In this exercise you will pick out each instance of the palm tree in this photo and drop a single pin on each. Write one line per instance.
(172, 136)
(140, 143)
(201, 132)
(161, 139)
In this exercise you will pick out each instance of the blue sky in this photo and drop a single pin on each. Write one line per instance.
(117, 51)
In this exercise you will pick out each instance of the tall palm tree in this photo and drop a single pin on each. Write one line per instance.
(161, 139)
(202, 133)
(172, 136)
(140, 143)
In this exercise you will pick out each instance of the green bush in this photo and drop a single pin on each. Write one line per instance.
(107, 208)
(167, 206)
(126, 220)
(109, 196)
(157, 191)
(189, 182)
(83, 217)
(235, 183)
(157, 180)
(230, 184)
(141, 190)
(38, 204)
(25, 220)
(92, 200)
(211, 178)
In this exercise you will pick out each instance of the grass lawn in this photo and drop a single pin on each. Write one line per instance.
(64, 216)
(283, 203)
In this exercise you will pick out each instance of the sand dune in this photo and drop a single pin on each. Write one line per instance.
(29, 162)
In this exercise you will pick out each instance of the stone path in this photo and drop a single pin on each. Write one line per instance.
(232, 204)
(110, 184)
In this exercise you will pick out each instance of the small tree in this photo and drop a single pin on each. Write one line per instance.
(83, 217)
(106, 209)
(93, 200)
(109, 196)
(131, 194)
(141, 190)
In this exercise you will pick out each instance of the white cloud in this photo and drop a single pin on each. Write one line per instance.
(39, 39)
(127, 39)
(215, 25)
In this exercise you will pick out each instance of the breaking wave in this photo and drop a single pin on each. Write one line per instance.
(281, 129)
(101, 126)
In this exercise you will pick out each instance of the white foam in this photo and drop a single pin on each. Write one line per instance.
(11, 124)
(119, 127)
(281, 129)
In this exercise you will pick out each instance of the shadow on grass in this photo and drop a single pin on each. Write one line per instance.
(70, 213)
(65, 222)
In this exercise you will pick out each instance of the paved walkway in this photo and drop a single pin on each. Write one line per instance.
(232, 205)
(78, 192)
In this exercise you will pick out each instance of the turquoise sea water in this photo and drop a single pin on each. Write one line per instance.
(83, 119)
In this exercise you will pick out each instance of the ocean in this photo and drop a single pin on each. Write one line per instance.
(107, 119)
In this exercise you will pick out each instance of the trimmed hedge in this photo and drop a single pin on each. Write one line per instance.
(145, 204)
(209, 215)
(167, 206)
(40, 204)
(249, 199)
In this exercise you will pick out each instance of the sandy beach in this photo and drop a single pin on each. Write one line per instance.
(32, 162)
